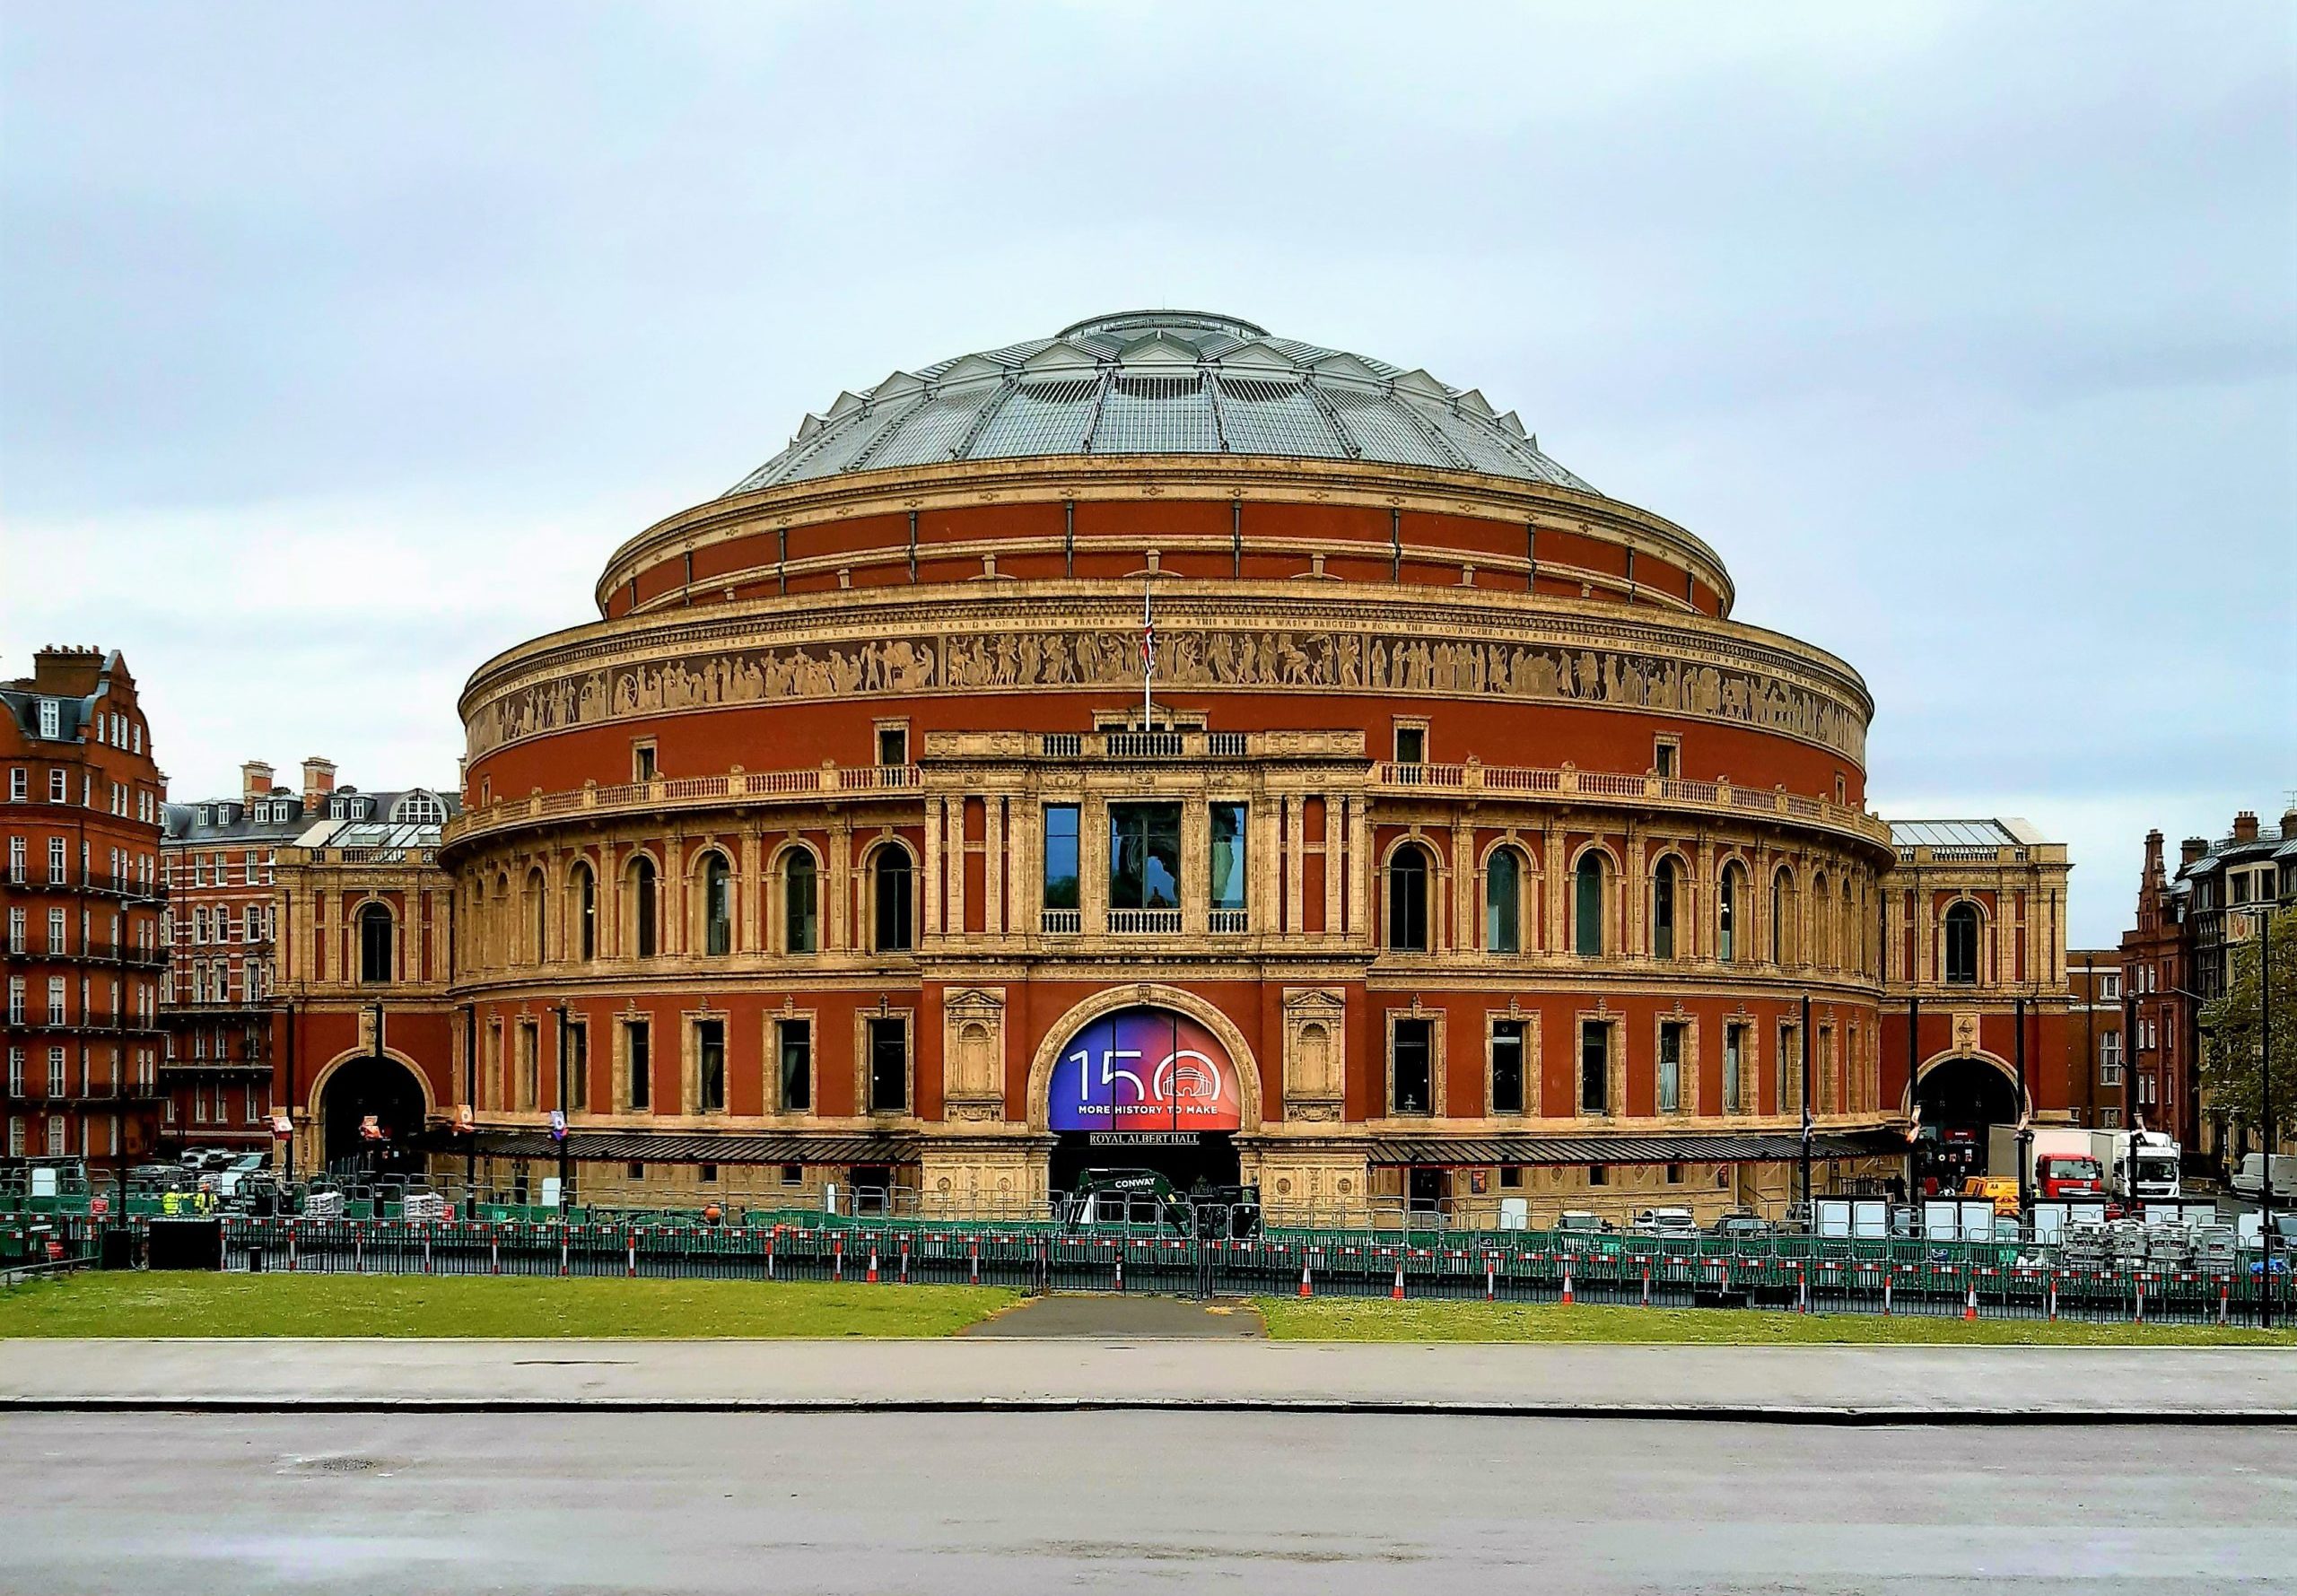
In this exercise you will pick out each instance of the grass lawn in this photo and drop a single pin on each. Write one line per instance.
(1378, 1319)
(123, 1304)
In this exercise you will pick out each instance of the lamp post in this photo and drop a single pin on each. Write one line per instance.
(561, 1110)
(1808, 1218)
(2025, 1113)
(2264, 1105)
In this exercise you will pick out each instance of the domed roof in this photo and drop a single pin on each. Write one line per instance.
(1161, 382)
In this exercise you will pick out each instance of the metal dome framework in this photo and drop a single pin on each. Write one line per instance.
(1161, 382)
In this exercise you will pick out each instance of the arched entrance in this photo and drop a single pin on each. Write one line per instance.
(1961, 1099)
(1144, 1087)
(385, 1089)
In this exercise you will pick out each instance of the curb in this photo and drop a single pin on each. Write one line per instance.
(1769, 1414)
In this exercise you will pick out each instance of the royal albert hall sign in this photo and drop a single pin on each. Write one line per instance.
(1144, 1070)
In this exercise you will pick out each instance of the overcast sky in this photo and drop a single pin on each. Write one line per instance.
(339, 344)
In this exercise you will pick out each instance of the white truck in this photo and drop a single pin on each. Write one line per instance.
(2062, 1165)
(2156, 1172)
(2249, 1180)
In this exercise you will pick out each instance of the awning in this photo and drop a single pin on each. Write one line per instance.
(648, 1147)
(1688, 1147)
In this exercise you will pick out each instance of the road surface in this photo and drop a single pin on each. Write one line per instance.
(1011, 1504)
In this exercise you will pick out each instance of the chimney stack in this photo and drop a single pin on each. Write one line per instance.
(2245, 826)
(2191, 849)
(255, 780)
(318, 780)
(66, 673)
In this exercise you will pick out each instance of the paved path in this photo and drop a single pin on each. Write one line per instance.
(1013, 1504)
(1850, 1384)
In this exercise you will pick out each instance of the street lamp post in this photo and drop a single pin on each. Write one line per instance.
(562, 1108)
(1808, 1218)
(2025, 1114)
(2264, 1104)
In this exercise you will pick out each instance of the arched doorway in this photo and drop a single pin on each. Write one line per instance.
(1961, 1099)
(1144, 1088)
(364, 1086)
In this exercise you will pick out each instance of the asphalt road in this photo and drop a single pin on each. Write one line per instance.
(1270, 1504)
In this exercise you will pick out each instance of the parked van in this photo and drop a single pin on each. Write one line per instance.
(2001, 1191)
(2250, 1179)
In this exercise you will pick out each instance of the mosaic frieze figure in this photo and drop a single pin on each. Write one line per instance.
(1265, 658)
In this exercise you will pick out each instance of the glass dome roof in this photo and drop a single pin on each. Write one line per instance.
(1161, 382)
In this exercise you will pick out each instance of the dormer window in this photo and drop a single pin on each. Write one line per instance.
(51, 717)
(207, 814)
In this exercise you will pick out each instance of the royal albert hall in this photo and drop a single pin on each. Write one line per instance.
(1169, 745)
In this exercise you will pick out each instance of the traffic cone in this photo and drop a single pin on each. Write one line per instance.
(1969, 1301)
(1305, 1289)
(1567, 1281)
(1398, 1292)
(871, 1278)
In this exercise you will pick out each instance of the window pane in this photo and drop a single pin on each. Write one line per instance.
(1508, 1067)
(1588, 905)
(1595, 1067)
(801, 910)
(797, 1037)
(1227, 864)
(1502, 903)
(1060, 857)
(888, 1066)
(710, 1037)
(1144, 856)
(1414, 1077)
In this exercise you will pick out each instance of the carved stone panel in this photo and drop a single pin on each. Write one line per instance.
(1314, 1053)
(973, 1053)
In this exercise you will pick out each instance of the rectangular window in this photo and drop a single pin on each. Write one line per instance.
(638, 1052)
(1670, 1067)
(577, 1067)
(793, 1175)
(57, 923)
(51, 717)
(1594, 1066)
(710, 1048)
(889, 1041)
(56, 865)
(1226, 878)
(19, 785)
(1508, 1067)
(1061, 865)
(1598, 1174)
(1511, 1177)
(1144, 856)
(641, 762)
(2110, 988)
(1735, 1064)
(1667, 757)
(893, 745)
(794, 1043)
(1413, 1091)
(1411, 745)
(15, 930)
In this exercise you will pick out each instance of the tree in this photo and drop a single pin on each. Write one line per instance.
(2231, 1081)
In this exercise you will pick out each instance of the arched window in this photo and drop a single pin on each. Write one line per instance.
(1726, 916)
(1408, 872)
(1663, 909)
(717, 905)
(1503, 901)
(801, 919)
(1587, 905)
(375, 944)
(584, 904)
(539, 896)
(889, 874)
(1961, 943)
(1822, 921)
(1779, 909)
(643, 905)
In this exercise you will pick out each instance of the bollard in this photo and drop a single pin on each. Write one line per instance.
(2224, 1302)
(632, 1266)
(2053, 1297)
(1802, 1290)
(291, 1245)
(2141, 1298)
(1886, 1290)
(972, 1261)
(1490, 1279)
(1646, 1285)
(905, 1261)
(772, 1236)
(837, 1258)
(495, 1249)
(563, 1248)
(1119, 1267)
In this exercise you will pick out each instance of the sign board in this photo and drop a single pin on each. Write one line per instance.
(1145, 1138)
(281, 1127)
(1144, 1070)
